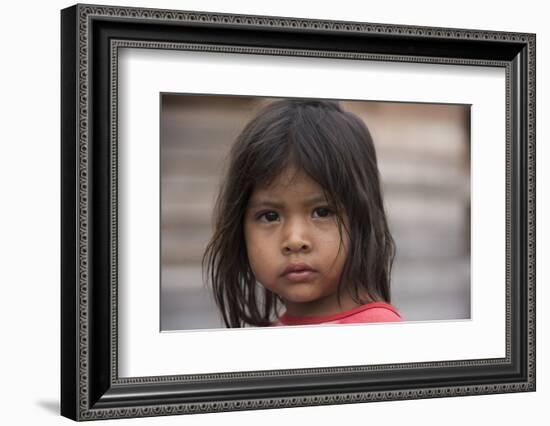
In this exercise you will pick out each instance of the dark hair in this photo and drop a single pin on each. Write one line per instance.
(335, 149)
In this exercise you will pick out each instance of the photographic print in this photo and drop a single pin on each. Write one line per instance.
(420, 159)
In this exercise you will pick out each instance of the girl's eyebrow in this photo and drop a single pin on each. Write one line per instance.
(266, 202)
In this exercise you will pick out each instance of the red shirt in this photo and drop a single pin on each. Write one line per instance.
(371, 312)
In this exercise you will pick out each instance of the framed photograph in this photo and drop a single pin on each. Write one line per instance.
(264, 212)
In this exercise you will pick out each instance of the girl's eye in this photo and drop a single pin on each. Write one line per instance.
(268, 216)
(322, 212)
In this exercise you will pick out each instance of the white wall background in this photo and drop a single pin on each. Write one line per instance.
(30, 228)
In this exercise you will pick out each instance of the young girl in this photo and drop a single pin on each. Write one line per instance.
(300, 222)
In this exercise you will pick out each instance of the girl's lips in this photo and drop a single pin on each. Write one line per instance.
(298, 272)
(299, 276)
(297, 267)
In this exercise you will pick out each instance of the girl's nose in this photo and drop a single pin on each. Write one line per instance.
(296, 247)
(295, 239)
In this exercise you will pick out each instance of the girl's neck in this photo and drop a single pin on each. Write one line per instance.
(321, 307)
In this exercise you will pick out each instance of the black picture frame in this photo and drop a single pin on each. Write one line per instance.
(90, 386)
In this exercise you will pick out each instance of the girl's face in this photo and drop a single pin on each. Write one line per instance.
(293, 245)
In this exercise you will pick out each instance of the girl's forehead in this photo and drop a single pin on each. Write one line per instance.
(290, 179)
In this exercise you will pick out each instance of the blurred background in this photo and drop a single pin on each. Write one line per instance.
(424, 161)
